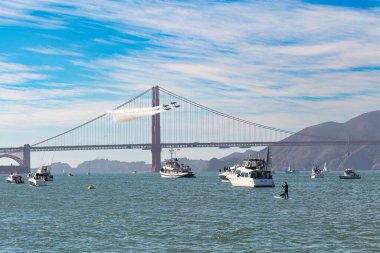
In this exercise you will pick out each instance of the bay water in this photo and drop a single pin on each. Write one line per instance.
(145, 213)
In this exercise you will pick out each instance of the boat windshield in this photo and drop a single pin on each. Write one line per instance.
(262, 174)
(254, 163)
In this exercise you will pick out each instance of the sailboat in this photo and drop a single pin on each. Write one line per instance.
(324, 168)
(290, 170)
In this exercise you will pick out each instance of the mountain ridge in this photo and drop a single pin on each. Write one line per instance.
(362, 127)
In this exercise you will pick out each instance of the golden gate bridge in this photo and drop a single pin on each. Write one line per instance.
(191, 125)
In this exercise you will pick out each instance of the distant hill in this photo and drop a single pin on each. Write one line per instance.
(363, 127)
(101, 166)
(195, 165)
(113, 166)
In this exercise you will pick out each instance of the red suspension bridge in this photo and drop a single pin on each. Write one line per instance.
(187, 125)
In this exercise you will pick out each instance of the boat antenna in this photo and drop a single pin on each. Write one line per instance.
(171, 153)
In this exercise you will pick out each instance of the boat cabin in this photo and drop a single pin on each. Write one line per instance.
(256, 174)
(173, 165)
(254, 164)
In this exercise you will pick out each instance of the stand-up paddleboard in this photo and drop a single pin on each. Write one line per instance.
(279, 197)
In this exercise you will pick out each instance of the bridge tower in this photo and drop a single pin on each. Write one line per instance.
(156, 132)
(26, 155)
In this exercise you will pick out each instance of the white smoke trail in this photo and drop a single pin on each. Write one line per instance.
(121, 115)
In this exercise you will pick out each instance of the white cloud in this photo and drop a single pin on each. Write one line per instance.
(18, 12)
(104, 42)
(15, 74)
(52, 51)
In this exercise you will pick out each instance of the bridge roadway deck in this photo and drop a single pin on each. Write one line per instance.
(147, 146)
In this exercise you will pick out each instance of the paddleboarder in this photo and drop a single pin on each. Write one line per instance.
(286, 190)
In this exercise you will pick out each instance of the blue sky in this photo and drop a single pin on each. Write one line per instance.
(302, 62)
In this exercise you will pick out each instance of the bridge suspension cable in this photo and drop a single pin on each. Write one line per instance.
(278, 130)
(92, 120)
(182, 121)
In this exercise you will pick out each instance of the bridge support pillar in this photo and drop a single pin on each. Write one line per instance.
(26, 154)
(156, 132)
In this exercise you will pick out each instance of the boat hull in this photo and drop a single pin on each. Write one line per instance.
(250, 182)
(349, 177)
(176, 175)
(317, 176)
(14, 179)
(10, 181)
(223, 176)
(14, 182)
(37, 182)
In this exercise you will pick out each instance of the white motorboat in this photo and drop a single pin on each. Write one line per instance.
(349, 174)
(254, 172)
(15, 178)
(37, 181)
(226, 171)
(172, 169)
(316, 172)
(45, 172)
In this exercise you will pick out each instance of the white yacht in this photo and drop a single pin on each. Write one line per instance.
(316, 172)
(254, 172)
(44, 172)
(226, 171)
(172, 169)
(15, 178)
(37, 180)
(349, 174)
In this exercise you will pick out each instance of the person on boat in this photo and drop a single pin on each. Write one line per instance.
(286, 190)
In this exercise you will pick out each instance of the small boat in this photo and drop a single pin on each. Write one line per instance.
(15, 178)
(254, 172)
(70, 174)
(349, 174)
(172, 169)
(226, 171)
(37, 180)
(316, 172)
(44, 171)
